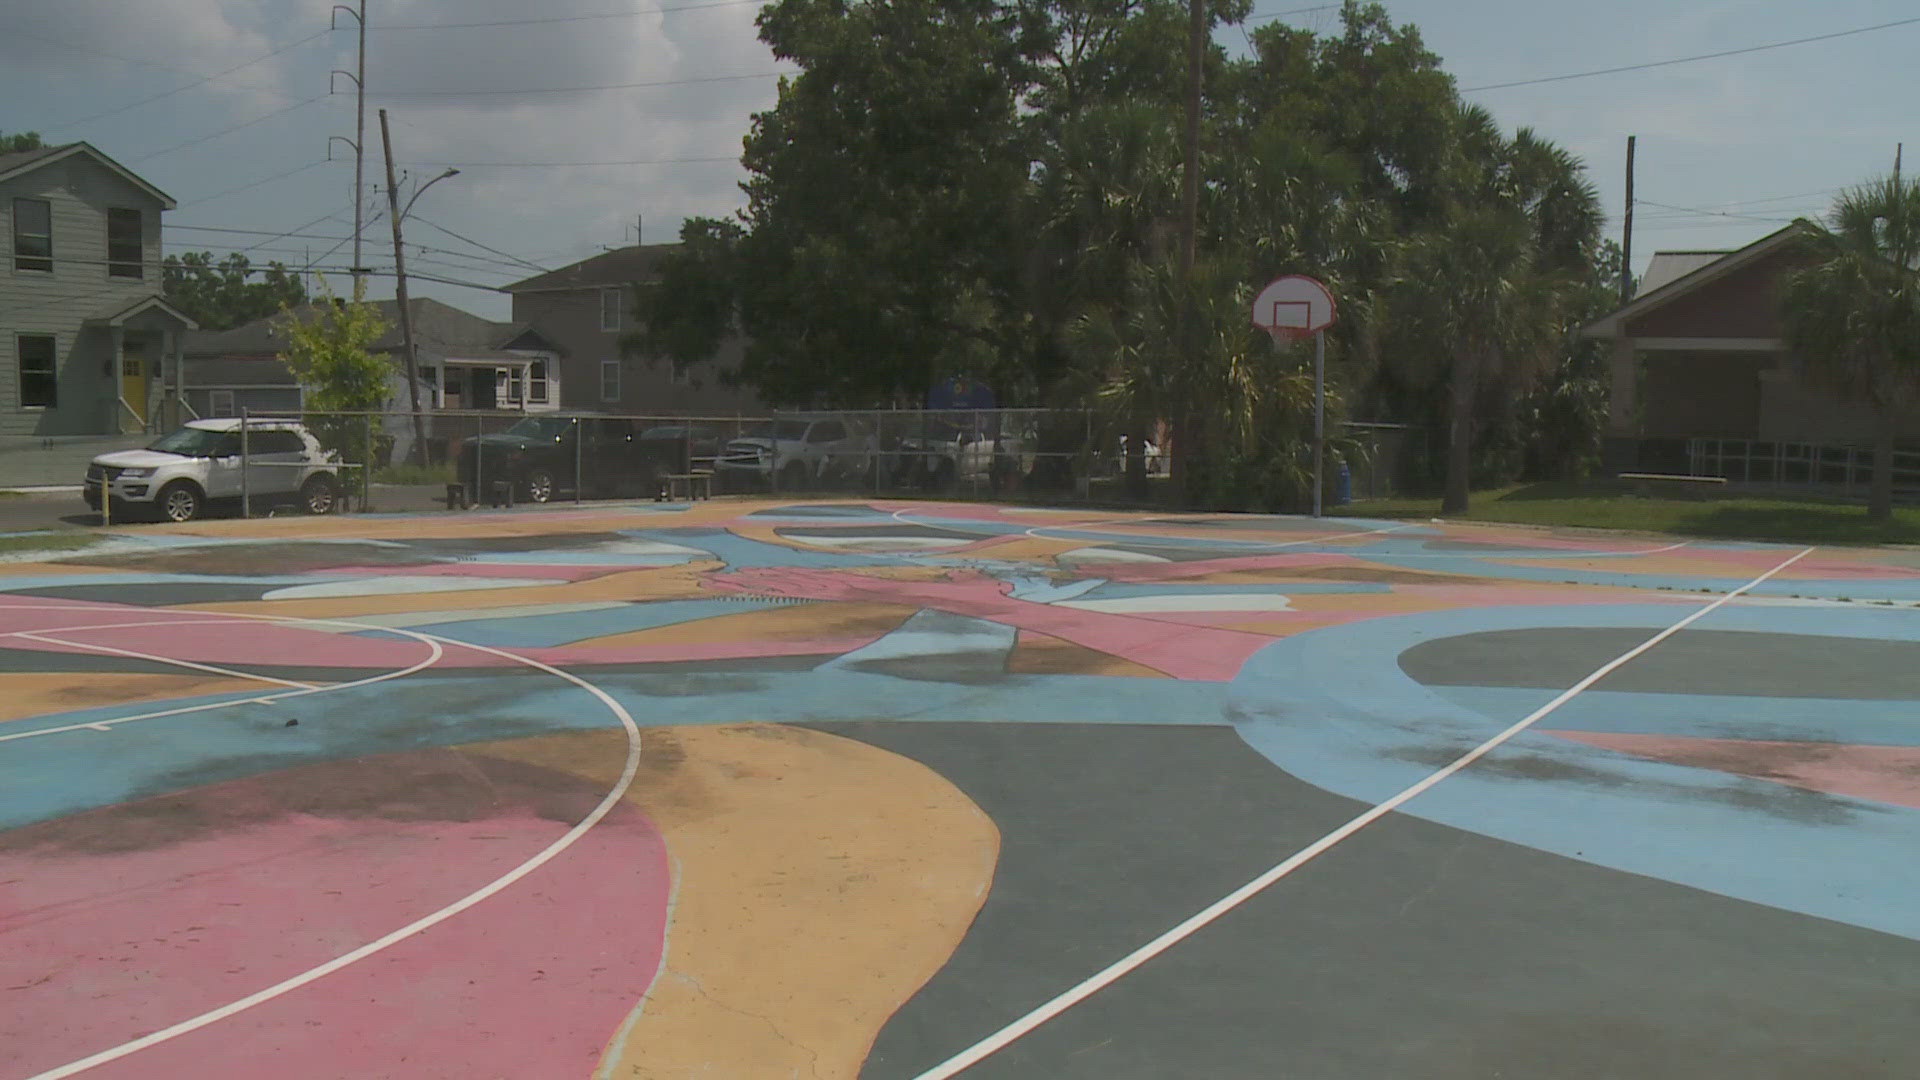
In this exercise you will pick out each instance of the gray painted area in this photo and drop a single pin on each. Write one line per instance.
(1413, 950)
(1696, 662)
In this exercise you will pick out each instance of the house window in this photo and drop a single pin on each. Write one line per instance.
(609, 380)
(32, 234)
(220, 403)
(610, 304)
(39, 376)
(537, 381)
(124, 249)
(515, 385)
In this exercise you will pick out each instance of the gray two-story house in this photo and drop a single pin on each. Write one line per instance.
(585, 309)
(88, 346)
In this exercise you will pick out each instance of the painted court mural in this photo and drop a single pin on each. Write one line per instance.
(838, 790)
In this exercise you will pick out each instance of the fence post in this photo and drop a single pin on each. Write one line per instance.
(579, 440)
(366, 470)
(479, 492)
(246, 494)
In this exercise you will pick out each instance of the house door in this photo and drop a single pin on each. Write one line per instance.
(133, 380)
(485, 390)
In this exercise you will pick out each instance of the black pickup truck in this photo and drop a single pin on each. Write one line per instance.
(613, 457)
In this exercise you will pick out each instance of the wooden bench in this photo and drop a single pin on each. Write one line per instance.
(1646, 484)
(697, 484)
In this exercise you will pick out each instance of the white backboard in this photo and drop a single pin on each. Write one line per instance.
(1293, 303)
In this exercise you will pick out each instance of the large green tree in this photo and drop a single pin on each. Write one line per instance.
(1853, 313)
(223, 295)
(330, 350)
(19, 141)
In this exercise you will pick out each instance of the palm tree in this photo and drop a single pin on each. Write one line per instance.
(1491, 288)
(1853, 314)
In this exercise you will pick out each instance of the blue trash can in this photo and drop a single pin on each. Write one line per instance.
(1343, 486)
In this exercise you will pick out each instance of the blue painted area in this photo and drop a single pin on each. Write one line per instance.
(741, 553)
(69, 772)
(1332, 707)
(563, 628)
(1703, 716)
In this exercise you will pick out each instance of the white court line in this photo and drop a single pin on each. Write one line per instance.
(425, 922)
(1093, 984)
(209, 668)
(434, 653)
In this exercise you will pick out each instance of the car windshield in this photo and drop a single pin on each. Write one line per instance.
(790, 430)
(541, 427)
(197, 442)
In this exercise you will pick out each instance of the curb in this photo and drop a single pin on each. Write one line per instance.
(43, 489)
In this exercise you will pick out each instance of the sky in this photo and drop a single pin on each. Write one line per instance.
(225, 105)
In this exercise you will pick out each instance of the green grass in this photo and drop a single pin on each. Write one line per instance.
(1673, 508)
(48, 542)
(414, 474)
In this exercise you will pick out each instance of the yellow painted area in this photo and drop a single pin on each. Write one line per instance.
(1030, 549)
(1044, 654)
(819, 882)
(54, 567)
(25, 696)
(795, 623)
(653, 583)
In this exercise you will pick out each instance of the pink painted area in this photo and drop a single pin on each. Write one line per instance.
(1194, 652)
(99, 949)
(667, 651)
(1888, 774)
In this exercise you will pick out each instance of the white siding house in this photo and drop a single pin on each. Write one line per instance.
(88, 346)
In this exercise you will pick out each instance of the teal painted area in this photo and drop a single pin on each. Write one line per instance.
(65, 773)
(1703, 716)
(1332, 707)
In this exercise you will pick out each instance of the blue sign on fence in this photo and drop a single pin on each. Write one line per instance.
(960, 392)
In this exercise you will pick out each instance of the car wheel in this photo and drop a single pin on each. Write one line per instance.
(180, 501)
(320, 495)
(539, 486)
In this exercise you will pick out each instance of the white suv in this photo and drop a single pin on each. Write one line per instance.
(795, 453)
(179, 477)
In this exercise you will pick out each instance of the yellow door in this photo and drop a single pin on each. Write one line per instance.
(133, 383)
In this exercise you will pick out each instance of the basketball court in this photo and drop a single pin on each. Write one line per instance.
(900, 790)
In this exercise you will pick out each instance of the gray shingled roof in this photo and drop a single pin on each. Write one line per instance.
(438, 328)
(10, 162)
(621, 266)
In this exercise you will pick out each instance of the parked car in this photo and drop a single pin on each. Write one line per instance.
(945, 453)
(184, 474)
(541, 456)
(683, 448)
(796, 453)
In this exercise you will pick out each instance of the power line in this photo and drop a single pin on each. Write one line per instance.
(228, 130)
(1710, 213)
(581, 89)
(565, 18)
(574, 164)
(254, 232)
(1295, 11)
(481, 246)
(191, 85)
(1692, 59)
(254, 184)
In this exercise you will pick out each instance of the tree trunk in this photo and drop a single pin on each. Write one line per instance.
(1880, 499)
(1136, 459)
(1466, 371)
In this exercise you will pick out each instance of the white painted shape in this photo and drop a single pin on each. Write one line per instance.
(1096, 555)
(933, 633)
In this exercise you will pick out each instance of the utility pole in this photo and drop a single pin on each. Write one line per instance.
(359, 77)
(1190, 170)
(400, 291)
(1626, 240)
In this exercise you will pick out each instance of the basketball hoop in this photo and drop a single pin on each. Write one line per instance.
(1293, 308)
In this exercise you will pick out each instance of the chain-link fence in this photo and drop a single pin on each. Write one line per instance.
(1061, 456)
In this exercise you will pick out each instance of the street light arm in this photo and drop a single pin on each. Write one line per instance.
(422, 189)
